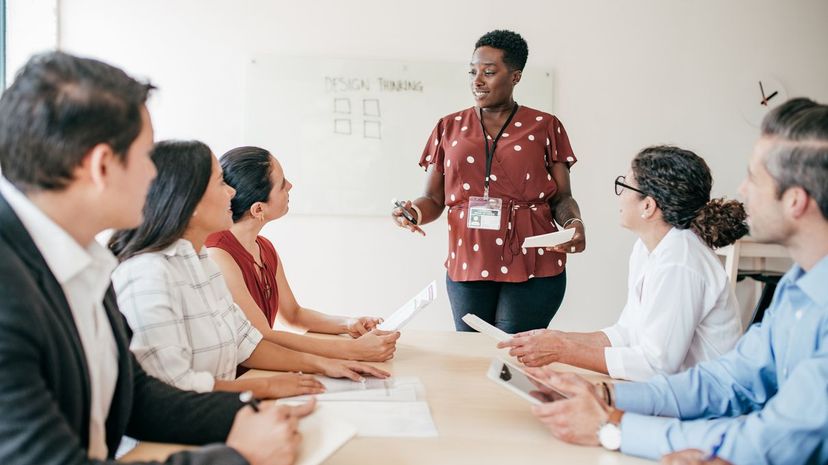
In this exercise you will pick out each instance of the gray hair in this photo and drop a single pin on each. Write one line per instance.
(800, 155)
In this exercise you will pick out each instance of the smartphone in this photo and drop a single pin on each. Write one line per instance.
(519, 382)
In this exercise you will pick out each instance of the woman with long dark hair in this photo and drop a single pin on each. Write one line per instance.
(187, 329)
(680, 309)
(257, 278)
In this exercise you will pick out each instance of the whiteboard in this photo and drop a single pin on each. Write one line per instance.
(349, 133)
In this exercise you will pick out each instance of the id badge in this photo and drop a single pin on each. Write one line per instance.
(484, 213)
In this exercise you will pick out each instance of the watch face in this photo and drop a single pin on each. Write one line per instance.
(610, 436)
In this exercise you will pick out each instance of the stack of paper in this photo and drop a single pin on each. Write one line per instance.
(394, 407)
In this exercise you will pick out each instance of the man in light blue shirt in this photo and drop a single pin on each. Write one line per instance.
(766, 401)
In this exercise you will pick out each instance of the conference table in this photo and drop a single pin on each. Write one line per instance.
(478, 421)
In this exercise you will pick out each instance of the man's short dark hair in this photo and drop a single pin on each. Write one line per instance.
(800, 155)
(515, 50)
(57, 109)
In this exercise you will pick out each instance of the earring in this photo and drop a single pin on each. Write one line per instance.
(261, 218)
(195, 213)
(643, 215)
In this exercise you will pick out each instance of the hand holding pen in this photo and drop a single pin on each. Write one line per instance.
(404, 217)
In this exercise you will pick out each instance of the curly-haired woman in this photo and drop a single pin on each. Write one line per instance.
(680, 308)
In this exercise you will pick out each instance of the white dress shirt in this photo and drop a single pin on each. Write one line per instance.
(188, 332)
(84, 275)
(680, 310)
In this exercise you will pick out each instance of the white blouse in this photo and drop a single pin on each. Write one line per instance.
(680, 310)
(188, 332)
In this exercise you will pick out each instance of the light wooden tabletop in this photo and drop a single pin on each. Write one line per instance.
(478, 422)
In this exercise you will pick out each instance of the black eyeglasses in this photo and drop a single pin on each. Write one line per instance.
(620, 185)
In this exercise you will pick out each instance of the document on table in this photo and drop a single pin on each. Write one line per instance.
(549, 240)
(322, 434)
(397, 389)
(397, 410)
(399, 318)
(386, 419)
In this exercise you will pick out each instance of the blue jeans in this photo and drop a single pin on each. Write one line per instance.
(512, 307)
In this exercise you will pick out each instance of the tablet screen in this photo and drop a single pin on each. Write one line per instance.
(527, 385)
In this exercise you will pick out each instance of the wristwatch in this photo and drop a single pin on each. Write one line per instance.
(609, 434)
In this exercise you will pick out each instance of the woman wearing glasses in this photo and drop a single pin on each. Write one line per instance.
(680, 309)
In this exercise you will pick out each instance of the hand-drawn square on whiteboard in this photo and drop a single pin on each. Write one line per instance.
(342, 106)
(372, 130)
(342, 126)
(371, 107)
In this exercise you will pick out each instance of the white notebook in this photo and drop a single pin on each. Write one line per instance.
(549, 240)
(323, 433)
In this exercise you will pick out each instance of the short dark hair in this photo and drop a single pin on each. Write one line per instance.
(800, 157)
(680, 183)
(58, 108)
(515, 49)
(184, 170)
(247, 169)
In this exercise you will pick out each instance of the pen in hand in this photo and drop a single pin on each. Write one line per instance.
(408, 216)
(247, 398)
(714, 452)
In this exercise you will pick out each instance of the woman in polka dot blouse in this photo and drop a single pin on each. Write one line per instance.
(503, 172)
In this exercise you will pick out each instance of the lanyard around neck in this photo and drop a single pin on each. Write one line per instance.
(490, 151)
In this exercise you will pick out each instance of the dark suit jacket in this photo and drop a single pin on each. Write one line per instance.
(44, 381)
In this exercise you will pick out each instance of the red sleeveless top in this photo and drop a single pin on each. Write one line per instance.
(261, 282)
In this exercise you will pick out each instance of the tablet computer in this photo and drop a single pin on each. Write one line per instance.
(521, 383)
(404, 314)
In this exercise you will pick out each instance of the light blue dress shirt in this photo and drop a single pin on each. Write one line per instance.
(767, 398)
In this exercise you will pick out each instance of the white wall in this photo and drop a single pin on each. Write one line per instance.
(628, 74)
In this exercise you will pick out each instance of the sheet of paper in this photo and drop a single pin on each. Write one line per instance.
(323, 432)
(399, 318)
(386, 419)
(398, 389)
(549, 240)
(477, 323)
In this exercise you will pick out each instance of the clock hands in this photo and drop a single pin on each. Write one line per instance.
(766, 99)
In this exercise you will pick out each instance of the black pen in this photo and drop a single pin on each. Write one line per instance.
(714, 452)
(405, 212)
(247, 398)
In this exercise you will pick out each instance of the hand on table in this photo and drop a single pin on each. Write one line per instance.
(290, 384)
(336, 368)
(691, 457)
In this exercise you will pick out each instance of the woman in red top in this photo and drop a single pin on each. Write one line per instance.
(257, 279)
(503, 172)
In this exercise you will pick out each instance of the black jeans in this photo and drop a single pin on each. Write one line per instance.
(512, 307)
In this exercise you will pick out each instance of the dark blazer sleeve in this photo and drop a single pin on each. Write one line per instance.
(34, 430)
(163, 413)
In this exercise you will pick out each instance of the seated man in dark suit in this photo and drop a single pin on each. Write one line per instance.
(75, 137)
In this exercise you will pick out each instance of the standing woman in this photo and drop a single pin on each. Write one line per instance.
(502, 170)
